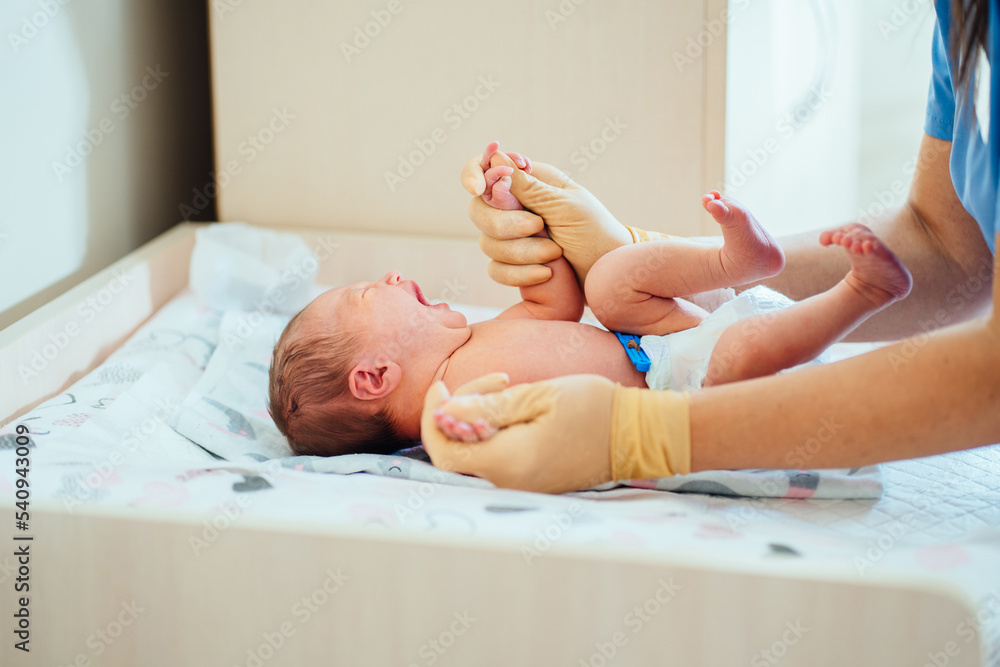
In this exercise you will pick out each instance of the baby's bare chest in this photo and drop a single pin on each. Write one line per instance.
(532, 350)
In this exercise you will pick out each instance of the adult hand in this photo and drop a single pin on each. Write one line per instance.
(554, 436)
(559, 435)
(580, 227)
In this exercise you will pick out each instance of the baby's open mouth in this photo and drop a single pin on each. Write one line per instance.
(419, 294)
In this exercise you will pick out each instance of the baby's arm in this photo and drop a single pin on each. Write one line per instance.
(558, 298)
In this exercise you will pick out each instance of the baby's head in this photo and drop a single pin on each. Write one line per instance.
(349, 371)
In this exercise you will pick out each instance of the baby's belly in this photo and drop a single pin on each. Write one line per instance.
(530, 350)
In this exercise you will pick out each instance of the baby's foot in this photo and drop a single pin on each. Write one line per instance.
(876, 272)
(497, 168)
(748, 253)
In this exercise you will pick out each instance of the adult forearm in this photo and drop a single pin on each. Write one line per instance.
(915, 398)
(945, 291)
(936, 238)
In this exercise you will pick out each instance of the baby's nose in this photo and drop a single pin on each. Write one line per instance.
(392, 278)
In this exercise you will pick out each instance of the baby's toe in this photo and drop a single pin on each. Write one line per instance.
(518, 159)
(488, 154)
(500, 159)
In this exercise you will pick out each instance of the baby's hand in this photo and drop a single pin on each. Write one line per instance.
(461, 431)
(497, 168)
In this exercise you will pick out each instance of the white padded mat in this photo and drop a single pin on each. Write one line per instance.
(939, 517)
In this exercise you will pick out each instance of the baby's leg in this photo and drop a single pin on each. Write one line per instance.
(771, 342)
(635, 288)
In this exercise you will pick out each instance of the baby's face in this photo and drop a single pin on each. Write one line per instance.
(392, 311)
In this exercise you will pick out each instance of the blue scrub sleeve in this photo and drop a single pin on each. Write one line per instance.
(940, 120)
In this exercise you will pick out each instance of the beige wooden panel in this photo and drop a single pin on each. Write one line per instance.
(65, 339)
(326, 595)
(447, 269)
(312, 113)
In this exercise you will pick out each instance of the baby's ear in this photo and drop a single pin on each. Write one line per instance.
(371, 380)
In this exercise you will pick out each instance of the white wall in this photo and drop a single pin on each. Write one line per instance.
(105, 130)
(64, 67)
(869, 63)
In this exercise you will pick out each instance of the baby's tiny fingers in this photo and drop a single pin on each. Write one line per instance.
(484, 430)
(447, 425)
(466, 433)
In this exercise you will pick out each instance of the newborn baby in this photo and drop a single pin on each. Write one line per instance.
(350, 371)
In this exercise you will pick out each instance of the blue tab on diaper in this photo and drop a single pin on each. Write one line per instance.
(634, 351)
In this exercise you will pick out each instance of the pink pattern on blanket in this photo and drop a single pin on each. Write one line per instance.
(799, 492)
(802, 483)
(101, 479)
(75, 419)
(941, 557)
(241, 434)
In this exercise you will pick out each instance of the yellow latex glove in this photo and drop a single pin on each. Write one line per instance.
(577, 222)
(566, 434)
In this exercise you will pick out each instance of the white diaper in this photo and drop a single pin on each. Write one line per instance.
(679, 361)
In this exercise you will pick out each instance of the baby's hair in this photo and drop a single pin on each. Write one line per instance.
(309, 396)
